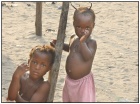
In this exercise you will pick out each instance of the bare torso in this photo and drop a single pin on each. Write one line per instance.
(76, 67)
(28, 87)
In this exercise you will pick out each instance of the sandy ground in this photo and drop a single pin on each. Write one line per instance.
(115, 66)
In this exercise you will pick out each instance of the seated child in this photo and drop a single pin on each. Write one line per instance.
(31, 87)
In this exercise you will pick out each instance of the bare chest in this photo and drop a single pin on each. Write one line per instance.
(28, 88)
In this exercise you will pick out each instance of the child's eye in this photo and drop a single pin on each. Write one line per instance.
(43, 65)
(87, 28)
(34, 62)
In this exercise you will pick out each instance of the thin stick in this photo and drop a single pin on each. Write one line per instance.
(38, 21)
(58, 49)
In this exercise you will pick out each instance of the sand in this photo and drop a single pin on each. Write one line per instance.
(115, 66)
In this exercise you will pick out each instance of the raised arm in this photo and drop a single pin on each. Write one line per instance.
(15, 83)
(88, 49)
(14, 88)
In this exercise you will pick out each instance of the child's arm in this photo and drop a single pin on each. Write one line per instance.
(15, 83)
(14, 88)
(65, 46)
(42, 93)
(20, 99)
(87, 50)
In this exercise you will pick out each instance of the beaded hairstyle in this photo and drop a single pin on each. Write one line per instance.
(45, 49)
(85, 11)
(79, 5)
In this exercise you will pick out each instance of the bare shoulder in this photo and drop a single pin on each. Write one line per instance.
(44, 88)
(72, 38)
(45, 85)
(92, 43)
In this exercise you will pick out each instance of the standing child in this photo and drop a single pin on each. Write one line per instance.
(31, 87)
(79, 83)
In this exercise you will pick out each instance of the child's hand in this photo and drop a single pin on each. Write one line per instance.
(53, 43)
(21, 69)
(84, 37)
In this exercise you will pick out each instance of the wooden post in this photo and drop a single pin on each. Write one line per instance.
(58, 48)
(38, 21)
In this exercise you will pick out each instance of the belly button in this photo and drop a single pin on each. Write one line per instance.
(69, 70)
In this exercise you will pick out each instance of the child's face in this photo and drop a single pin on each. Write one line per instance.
(83, 25)
(39, 64)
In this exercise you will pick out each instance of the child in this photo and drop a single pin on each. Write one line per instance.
(79, 83)
(31, 87)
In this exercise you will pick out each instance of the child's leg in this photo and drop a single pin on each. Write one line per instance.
(81, 90)
(87, 90)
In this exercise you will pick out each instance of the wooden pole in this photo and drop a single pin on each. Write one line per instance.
(58, 49)
(38, 21)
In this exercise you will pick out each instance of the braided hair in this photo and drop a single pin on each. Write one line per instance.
(84, 11)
